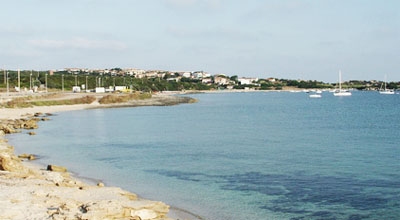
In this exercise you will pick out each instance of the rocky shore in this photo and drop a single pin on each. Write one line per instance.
(29, 192)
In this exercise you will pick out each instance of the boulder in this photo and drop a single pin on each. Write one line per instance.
(10, 163)
(7, 129)
(56, 168)
(27, 156)
(144, 214)
(56, 178)
(30, 124)
(37, 114)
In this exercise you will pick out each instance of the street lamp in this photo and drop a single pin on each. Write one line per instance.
(86, 86)
(62, 82)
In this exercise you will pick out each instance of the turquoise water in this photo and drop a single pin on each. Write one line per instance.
(273, 155)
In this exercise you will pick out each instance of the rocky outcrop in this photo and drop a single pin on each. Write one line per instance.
(40, 194)
(9, 162)
(13, 126)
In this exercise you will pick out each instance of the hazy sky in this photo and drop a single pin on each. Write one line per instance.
(292, 39)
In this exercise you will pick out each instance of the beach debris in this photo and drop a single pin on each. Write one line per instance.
(56, 168)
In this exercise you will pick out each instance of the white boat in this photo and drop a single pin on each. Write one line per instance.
(385, 91)
(341, 92)
(315, 95)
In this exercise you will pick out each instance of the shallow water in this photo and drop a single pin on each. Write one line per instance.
(273, 155)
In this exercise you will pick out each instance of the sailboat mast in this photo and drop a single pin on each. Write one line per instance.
(340, 80)
(385, 81)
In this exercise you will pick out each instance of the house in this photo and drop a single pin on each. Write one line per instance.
(207, 80)
(247, 81)
(187, 74)
(221, 80)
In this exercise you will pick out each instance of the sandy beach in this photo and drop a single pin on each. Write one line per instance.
(28, 191)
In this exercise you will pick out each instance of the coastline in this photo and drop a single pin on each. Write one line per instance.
(32, 192)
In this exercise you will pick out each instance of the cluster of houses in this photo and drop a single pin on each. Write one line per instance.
(204, 77)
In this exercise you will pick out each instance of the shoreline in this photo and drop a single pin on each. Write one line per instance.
(32, 192)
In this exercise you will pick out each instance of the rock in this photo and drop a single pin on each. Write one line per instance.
(56, 178)
(27, 156)
(100, 184)
(31, 133)
(130, 196)
(144, 214)
(10, 163)
(45, 119)
(37, 114)
(7, 129)
(31, 124)
(55, 168)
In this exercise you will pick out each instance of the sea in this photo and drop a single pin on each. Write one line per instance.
(250, 155)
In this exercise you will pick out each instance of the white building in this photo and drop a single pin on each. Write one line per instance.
(247, 81)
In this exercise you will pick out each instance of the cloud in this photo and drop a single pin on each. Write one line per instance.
(213, 33)
(79, 43)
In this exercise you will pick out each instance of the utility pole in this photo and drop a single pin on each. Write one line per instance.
(8, 88)
(46, 81)
(62, 81)
(30, 81)
(19, 81)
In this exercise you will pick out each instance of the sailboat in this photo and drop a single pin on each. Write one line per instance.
(341, 92)
(385, 91)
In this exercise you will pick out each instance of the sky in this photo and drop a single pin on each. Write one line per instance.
(289, 39)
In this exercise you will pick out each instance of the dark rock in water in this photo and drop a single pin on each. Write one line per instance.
(56, 168)
(37, 114)
(31, 133)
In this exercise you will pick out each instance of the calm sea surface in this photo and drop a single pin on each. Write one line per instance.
(272, 155)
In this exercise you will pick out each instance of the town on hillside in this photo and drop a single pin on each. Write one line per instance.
(131, 79)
